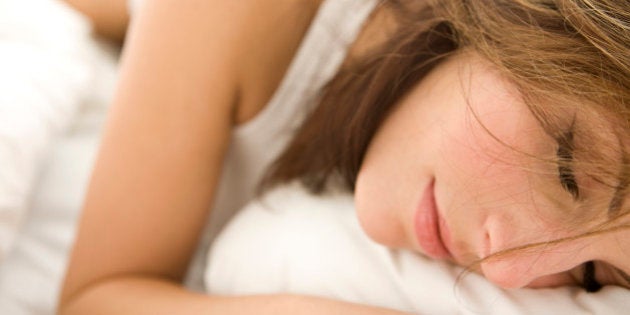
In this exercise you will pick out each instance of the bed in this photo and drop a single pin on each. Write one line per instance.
(57, 82)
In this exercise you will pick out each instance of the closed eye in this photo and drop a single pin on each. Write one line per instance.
(565, 171)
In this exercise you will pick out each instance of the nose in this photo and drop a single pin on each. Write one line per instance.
(510, 273)
(519, 255)
(526, 268)
(498, 264)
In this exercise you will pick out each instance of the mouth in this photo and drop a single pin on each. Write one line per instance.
(429, 227)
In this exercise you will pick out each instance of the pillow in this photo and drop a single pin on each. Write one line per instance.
(45, 75)
(291, 241)
(74, 67)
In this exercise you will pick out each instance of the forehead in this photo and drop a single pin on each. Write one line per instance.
(525, 121)
(489, 108)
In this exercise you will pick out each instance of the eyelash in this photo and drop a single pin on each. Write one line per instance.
(589, 282)
(567, 178)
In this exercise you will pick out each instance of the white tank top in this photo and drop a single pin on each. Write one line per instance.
(255, 144)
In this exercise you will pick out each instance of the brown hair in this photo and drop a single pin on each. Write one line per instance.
(572, 54)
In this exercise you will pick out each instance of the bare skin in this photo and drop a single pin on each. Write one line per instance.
(110, 18)
(180, 93)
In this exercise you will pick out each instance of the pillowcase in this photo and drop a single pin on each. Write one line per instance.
(291, 241)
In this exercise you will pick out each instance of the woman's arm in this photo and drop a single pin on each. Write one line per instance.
(109, 17)
(146, 295)
(180, 91)
(162, 147)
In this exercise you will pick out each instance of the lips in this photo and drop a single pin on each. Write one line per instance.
(428, 226)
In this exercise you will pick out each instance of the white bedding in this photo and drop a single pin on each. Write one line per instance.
(56, 82)
(295, 242)
(306, 245)
(45, 76)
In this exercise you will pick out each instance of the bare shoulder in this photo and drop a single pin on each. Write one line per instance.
(109, 17)
(274, 36)
(264, 35)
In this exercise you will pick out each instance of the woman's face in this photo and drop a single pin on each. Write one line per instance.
(459, 171)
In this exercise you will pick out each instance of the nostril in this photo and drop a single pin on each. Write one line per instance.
(506, 271)
(485, 246)
(497, 236)
(490, 238)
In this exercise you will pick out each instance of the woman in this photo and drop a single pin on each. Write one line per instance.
(464, 128)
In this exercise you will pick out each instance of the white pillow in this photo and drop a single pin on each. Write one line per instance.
(45, 75)
(298, 243)
(74, 66)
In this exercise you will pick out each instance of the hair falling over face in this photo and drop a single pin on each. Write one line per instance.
(568, 59)
(565, 57)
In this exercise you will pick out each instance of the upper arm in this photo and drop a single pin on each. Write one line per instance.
(163, 144)
(109, 17)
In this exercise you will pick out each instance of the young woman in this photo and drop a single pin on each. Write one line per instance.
(493, 134)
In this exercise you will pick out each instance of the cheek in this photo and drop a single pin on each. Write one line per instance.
(377, 209)
(389, 181)
(485, 164)
(552, 281)
(479, 174)
(513, 273)
(536, 267)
